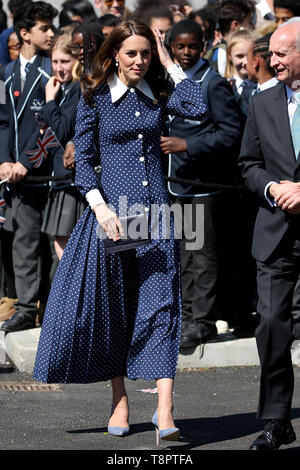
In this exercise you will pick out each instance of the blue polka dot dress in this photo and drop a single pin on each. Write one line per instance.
(119, 314)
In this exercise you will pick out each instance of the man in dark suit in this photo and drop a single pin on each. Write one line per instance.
(19, 132)
(271, 169)
(202, 151)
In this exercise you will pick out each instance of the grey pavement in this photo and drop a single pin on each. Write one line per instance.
(215, 405)
(214, 409)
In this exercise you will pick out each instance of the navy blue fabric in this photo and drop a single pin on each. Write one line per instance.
(213, 141)
(60, 115)
(118, 314)
(22, 108)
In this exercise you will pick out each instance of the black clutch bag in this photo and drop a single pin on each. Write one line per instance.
(136, 233)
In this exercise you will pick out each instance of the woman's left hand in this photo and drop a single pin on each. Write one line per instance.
(163, 53)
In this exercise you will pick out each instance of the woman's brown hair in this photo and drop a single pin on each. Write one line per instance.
(104, 65)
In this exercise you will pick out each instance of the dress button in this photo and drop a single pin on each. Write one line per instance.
(145, 183)
(140, 136)
(137, 113)
(132, 90)
(142, 159)
(155, 101)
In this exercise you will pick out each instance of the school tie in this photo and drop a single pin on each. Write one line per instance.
(295, 129)
(27, 68)
(255, 91)
(243, 87)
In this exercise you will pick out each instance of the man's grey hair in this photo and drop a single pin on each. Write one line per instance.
(295, 19)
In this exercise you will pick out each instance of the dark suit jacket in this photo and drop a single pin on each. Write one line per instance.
(267, 154)
(19, 130)
(213, 143)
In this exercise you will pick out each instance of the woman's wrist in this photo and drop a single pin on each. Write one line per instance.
(176, 73)
(169, 64)
(94, 198)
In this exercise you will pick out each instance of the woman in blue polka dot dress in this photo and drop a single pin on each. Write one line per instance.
(117, 315)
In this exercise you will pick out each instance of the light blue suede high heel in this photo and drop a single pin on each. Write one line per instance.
(117, 430)
(169, 434)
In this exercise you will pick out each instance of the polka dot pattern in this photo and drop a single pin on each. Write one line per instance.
(118, 314)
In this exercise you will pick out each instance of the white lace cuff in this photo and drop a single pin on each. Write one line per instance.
(176, 73)
(94, 198)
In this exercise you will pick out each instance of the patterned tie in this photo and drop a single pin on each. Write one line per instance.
(27, 68)
(295, 129)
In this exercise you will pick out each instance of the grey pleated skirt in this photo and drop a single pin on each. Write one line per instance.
(64, 208)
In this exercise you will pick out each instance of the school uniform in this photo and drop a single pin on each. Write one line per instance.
(212, 146)
(19, 132)
(65, 204)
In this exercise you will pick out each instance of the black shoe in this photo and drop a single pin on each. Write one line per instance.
(275, 433)
(247, 329)
(196, 333)
(244, 331)
(18, 322)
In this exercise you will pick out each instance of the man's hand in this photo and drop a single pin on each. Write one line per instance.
(287, 196)
(68, 157)
(19, 172)
(173, 144)
(6, 170)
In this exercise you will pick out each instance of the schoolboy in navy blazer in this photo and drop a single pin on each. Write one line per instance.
(19, 132)
(202, 151)
(19, 110)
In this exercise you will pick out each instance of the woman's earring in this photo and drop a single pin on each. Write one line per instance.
(117, 63)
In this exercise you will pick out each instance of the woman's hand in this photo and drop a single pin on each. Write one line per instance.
(51, 89)
(109, 221)
(163, 53)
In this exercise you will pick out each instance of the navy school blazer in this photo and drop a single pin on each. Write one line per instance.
(19, 130)
(212, 143)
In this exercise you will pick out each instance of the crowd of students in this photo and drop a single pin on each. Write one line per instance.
(223, 45)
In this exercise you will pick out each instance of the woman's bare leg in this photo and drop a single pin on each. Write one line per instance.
(120, 413)
(60, 245)
(165, 403)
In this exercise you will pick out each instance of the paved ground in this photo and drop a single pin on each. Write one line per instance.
(214, 409)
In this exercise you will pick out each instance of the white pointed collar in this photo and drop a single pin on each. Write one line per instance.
(118, 88)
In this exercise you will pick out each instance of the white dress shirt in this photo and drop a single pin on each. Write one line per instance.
(23, 63)
(268, 84)
(238, 84)
(264, 9)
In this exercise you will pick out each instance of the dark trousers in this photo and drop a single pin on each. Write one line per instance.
(200, 267)
(31, 250)
(9, 289)
(276, 280)
(296, 302)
